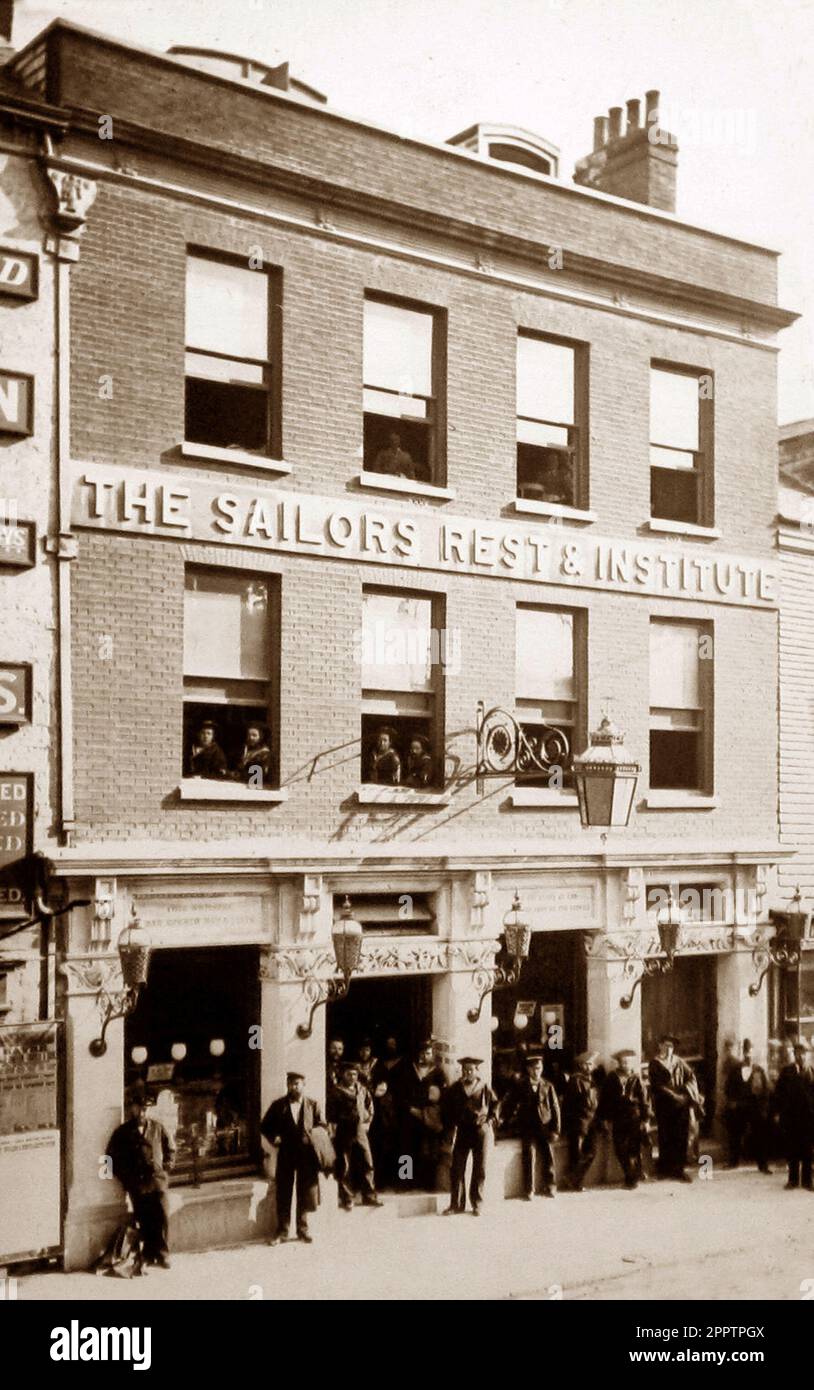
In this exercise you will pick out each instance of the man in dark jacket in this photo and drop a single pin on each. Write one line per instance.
(746, 1112)
(417, 1087)
(624, 1106)
(469, 1108)
(288, 1126)
(141, 1152)
(535, 1110)
(350, 1111)
(676, 1098)
(579, 1118)
(794, 1104)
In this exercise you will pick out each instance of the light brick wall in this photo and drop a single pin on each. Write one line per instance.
(797, 720)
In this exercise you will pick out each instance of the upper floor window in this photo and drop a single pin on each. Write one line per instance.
(232, 356)
(229, 732)
(551, 422)
(547, 694)
(681, 687)
(403, 391)
(402, 741)
(680, 445)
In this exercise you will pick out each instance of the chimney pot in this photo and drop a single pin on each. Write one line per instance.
(633, 114)
(600, 132)
(652, 107)
(615, 121)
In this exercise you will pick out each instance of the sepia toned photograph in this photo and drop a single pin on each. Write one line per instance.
(406, 661)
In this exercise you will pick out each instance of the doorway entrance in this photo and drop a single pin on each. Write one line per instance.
(546, 1011)
(685, 1002)
(381, 1008)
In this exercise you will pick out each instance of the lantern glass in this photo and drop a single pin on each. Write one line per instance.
(518, 939)
(134, 948)
(346, 935)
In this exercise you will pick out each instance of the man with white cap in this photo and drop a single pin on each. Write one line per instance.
(623, 1104)
(469, 1107)
(579, 1118)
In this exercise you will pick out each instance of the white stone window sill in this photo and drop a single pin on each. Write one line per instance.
(544, 796)
(400, 796)
(214, 454)
(204, 789)
(682, 528)
(388, 483)
(679, 801)
(526, 506)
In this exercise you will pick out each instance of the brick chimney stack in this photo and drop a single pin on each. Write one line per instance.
(638, 163)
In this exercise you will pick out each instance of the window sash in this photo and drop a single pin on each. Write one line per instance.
(546, 380)
(397, 405)
(545, 655)
(227, 626)
(675, 665)
(227, 308)
(395, 702)
(397, 348)
(675, 415)
(215, 366)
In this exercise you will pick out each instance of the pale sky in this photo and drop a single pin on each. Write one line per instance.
(735, 77)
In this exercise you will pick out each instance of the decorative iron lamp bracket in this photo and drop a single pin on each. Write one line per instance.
(117, 1005)
(489, 980)
(133, 946)
(651, 966)
(505, 750)
(786, 947)
(325, 992)
(517, 938)
(346, 938)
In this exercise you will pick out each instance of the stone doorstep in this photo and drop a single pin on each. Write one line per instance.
(231, 1212)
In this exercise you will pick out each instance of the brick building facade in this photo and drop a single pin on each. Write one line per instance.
(528, 422)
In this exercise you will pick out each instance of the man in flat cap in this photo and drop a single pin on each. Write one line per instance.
(623, 1104)
(532, 1105)
(141, 1152)
(350, 1111)
(579, 1109)
(677, 1102)
(288, 1126)
(469, 1109)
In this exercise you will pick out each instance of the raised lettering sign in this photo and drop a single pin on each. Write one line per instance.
(18, 274)
(16, 403)
(17, 542)
(15, 693)
(146, 502)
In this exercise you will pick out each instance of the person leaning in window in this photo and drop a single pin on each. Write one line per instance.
(418, 771)
(254, 763)
(394, 460)
(385, 763)
(207, 758)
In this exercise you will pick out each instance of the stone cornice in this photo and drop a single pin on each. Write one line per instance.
(414, 955)
(590, 271)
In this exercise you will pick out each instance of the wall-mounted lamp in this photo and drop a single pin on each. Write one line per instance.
(134, 949)
(792, 930)
(605, 779)
(346, 936)
(517, 936)
(669, 922)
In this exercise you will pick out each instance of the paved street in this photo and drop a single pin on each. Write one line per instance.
(736, 1235)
